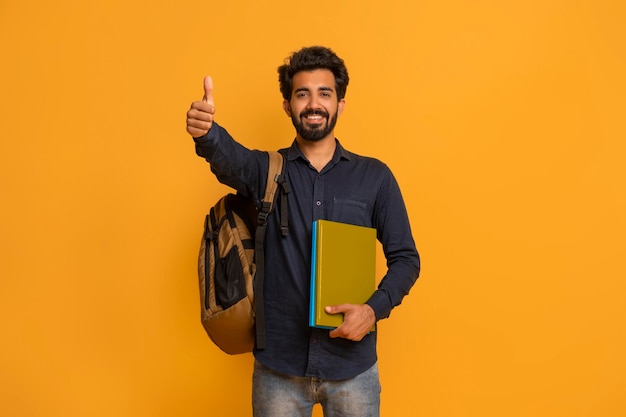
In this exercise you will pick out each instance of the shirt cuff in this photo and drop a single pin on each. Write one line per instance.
(380, 304)
(210, 135)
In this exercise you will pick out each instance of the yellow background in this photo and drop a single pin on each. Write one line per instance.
(502, 120)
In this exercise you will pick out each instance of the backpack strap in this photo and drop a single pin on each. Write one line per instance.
(273, 173)
(275, 178)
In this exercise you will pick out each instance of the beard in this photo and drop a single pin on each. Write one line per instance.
(317, 133)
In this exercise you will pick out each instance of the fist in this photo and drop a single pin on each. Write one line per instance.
(200, 115)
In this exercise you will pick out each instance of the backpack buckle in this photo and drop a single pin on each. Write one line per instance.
(264, 212)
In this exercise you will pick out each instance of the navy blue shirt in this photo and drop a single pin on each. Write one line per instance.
(351, 189)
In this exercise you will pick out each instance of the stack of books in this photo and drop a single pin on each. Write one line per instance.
(343, 269)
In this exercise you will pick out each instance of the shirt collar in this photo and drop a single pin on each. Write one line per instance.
(294, 152)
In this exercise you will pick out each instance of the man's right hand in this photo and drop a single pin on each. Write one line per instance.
(200, 115)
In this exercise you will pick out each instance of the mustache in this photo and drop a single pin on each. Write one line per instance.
(306, 113)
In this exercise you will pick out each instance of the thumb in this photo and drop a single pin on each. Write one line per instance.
(208, 89)
(333, 309)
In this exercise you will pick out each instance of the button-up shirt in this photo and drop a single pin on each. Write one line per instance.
(350, 189)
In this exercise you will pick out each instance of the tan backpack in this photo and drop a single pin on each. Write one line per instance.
(231, 264)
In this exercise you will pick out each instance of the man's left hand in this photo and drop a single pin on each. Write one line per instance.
(358, 320)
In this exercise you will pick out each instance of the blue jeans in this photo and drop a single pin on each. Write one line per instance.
(278, 395)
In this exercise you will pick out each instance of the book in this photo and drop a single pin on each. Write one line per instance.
(343, 269)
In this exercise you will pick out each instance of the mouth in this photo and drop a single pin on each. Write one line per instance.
(314, 117)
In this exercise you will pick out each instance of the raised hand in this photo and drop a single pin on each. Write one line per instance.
(200, 115)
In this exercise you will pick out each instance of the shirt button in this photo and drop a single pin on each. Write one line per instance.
(319, 203)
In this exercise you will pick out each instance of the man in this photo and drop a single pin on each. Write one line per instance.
(302, 366)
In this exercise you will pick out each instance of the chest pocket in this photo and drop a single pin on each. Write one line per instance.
(351, 211)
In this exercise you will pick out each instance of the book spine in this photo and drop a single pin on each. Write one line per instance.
(313, 275)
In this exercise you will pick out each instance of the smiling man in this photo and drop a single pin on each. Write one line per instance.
(311, 100)
(301, 366)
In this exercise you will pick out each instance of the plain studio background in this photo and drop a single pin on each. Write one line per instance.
(503, 122)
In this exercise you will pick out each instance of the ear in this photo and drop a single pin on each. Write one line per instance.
(341, 106)
(287, 107)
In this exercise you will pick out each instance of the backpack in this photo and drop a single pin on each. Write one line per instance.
(231, 264)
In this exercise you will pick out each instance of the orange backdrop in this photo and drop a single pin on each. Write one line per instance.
(503, 122)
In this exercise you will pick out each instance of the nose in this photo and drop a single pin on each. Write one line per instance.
(312, 104)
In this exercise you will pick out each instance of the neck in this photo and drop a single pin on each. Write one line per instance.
(318, 153)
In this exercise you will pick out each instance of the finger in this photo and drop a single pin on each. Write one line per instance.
(208, 89)
(341, 308)
(201, 110)
(196, 133)
(198, 124)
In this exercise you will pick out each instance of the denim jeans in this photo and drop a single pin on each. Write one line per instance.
(278, 395)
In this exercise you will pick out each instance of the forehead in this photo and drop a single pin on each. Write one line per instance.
(314, 79)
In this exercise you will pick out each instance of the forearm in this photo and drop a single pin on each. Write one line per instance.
(232, 163)
(403, 262)
(395, 285)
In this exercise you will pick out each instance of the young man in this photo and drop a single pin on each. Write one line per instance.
(302, 366)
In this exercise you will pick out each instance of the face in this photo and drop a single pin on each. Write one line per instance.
(314, 106)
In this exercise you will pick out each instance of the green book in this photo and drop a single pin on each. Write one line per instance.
(343, 269)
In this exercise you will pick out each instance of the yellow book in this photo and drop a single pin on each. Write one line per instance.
(343, 269)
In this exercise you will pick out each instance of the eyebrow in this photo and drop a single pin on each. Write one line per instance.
(297, 90)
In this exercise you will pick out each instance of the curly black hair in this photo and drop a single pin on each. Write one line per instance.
(309, 59)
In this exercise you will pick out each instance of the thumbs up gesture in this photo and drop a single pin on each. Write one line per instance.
(200, 115)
